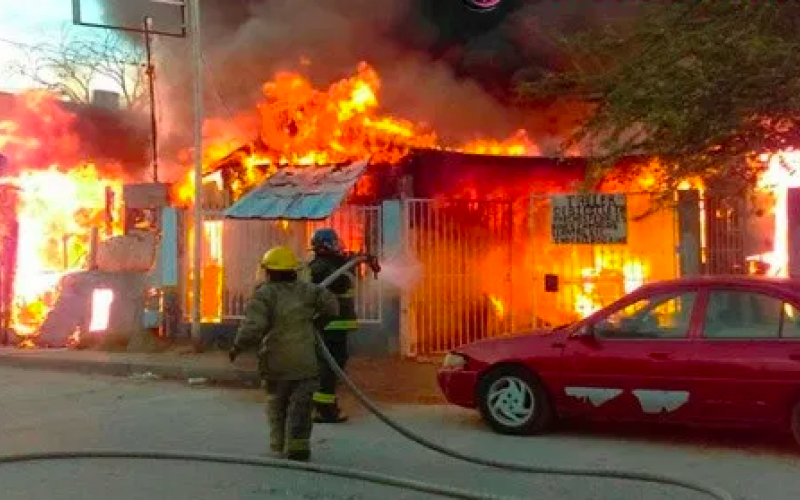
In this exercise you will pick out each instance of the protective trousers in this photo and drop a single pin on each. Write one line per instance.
(325, 398)
(289, 410)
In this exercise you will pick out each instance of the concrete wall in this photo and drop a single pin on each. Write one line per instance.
(73, 308)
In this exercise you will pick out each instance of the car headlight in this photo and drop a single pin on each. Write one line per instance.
(453, 360)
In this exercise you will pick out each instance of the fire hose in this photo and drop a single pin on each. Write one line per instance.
(370, 405)
(382, 479)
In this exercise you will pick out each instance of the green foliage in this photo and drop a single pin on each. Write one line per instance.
(706, 85)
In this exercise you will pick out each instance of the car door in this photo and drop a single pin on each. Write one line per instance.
(631, 364)
(747, 361)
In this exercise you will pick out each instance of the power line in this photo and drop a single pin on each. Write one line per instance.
(50, 49)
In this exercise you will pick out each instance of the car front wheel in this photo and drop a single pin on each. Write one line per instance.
(514, 401)
(795, 421)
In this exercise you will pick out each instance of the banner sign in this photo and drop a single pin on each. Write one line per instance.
(589, 219)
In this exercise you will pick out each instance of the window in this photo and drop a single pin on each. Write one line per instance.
(749, 315)
(662, 316)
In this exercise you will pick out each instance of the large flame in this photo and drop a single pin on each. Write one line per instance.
(782, 173)
(57, 205)
(303, 125)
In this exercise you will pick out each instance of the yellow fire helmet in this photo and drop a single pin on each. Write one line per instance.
(280, 259)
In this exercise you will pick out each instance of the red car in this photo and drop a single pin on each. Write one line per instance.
(720, 351)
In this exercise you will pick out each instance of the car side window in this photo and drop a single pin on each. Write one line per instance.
(664, 316)
(735, 314)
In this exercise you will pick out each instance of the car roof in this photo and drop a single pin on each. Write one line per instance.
(769, 282)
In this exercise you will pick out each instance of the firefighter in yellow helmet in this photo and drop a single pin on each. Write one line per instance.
(279, 319)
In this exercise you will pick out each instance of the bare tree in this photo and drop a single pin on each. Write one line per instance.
(74, 65)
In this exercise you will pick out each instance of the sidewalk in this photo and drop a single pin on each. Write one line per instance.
(386, 379)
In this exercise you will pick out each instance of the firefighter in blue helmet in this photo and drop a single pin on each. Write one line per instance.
(328, 257)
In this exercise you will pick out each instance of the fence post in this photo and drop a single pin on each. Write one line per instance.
(393, 324)
(689, 232)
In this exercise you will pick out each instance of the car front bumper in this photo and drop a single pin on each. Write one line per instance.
(458, 386)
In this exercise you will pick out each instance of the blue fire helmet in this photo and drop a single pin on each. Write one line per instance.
(326, 239)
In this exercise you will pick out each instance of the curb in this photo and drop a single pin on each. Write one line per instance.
(118, 368)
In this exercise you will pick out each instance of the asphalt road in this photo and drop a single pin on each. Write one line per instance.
(48, 411)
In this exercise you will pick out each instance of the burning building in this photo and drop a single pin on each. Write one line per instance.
(474, 228)
(64, 167)
(479, 239)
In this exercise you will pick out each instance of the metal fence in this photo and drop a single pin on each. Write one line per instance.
(233, 251)
(463, 253)
(489, 268)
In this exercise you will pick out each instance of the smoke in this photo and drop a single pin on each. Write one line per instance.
(401, 273)
(439, 62)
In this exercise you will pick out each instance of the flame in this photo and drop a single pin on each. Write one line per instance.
(211, 279)
(303, 125)
(55, 213)
(57, 204)
(590, 295)
(499, 306)
(102, 299)
(517, 145)
(782, 173)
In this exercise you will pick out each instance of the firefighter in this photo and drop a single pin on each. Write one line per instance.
(328, 257)
(280, 319)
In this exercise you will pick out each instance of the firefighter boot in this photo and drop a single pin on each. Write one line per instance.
(328, 414)
(299, 456)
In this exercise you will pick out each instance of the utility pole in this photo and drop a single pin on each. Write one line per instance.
(192, 21)
(148, 32)
(151, 76)
(197, 94)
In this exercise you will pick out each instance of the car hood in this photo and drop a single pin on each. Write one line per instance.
(506, 348)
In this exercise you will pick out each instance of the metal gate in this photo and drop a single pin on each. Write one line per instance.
(725, 219)
(462, 251)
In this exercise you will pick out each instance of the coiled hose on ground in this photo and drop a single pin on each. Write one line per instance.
(330, 470)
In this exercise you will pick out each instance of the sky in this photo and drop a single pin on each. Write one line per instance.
(29, 22)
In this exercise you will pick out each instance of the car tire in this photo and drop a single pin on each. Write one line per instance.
(795, 422)
(514, 401)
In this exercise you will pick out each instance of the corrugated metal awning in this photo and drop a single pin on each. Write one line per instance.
(299, 193)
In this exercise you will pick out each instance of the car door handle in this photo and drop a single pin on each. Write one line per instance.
(794, 357)
(659, 355)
